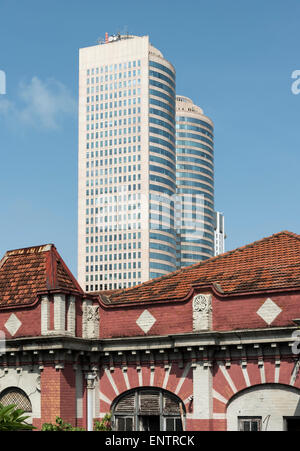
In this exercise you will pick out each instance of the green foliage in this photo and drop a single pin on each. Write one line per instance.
(13, 419)
(104, 424)
(59, 425)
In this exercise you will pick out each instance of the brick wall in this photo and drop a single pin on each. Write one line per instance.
(29, 318)
(58, 394)
(170, 319)
(241, 312)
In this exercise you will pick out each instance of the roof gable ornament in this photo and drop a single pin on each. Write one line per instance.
(91, 320)
(202, 312)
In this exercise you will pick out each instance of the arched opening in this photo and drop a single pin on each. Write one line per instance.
(264, 407)
(16, 396)
(148, 409)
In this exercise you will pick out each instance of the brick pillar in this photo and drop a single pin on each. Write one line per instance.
(58, 394)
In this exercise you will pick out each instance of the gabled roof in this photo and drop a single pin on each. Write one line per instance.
(24, 273)
(269, 264)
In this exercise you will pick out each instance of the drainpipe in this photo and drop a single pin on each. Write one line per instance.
(90, 400)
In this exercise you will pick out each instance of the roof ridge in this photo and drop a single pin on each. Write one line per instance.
(42, 248)
(60, 260)
(212, 259)
(241, 248)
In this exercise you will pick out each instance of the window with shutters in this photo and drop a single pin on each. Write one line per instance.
(148, 409)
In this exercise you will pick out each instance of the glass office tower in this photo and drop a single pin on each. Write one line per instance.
(126, 164)
(194, 210)
(145, 168)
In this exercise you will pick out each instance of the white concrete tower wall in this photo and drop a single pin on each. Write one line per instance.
(116, 169)
(113, 232)
(194, 219)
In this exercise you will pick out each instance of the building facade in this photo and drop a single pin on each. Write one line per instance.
(145, 180)
(126, 164)
(210, 347)
(195, 183)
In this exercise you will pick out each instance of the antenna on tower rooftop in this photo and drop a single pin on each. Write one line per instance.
(100, 41)
(125, 32)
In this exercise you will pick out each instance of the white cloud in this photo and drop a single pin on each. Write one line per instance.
(39, 103)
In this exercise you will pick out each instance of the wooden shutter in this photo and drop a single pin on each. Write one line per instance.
(171, 405)
(126, 404)
(149, 403)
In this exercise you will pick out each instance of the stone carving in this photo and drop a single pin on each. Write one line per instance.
(202, 312)
(93, 313)
(202, 303)
(91, 327)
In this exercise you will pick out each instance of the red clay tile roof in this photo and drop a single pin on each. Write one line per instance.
(26, 272)
(268, 264)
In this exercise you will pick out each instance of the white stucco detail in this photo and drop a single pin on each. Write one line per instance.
(13, 324)
(269, 311)
(59, 313)
(45, 315)
(202, 312)
(91, 320)
(202, 392)
(146, 321)
(71, 316)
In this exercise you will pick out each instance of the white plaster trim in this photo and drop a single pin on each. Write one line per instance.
(219, 416)
(227, 377)
(277, 373)
(166, 378)
(262, 373)
(140, 376)
(126, 379)
(152, 373)
(104, 398)
(59, 313)
(112, 382)
(45, 315)
(219, 397)
(295, 372)
(71, 316)
(246, 376)
(183, 377)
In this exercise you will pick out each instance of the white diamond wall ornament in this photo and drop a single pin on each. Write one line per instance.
(13, 324)
(269, 311)
(146, 321)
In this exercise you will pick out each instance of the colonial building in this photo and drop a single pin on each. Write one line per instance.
(210, 347)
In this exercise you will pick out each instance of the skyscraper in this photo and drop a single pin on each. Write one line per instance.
(145, 209)
(219, 233)
(195, 183)
(126, 164)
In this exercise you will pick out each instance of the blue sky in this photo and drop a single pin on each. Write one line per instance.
(234, 58)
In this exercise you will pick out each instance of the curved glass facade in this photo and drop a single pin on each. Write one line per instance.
(195, 184)
(162, 167)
